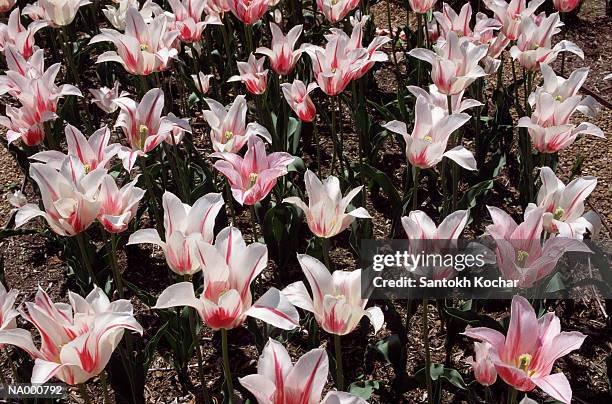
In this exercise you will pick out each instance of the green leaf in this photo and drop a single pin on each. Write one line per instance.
(364, 388)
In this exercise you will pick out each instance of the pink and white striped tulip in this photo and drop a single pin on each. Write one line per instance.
(25, 124)
(325, 212)
(8, 314)
(279, 381)
(187, 19)
(15, 34)
(421, 6)
(419, 226)
(6, 5)
(202, 82)
(482, 364)
(77, 339)
(69, 196)
(297, 95)
(336, 301)
(438, 100)
(228, 268)
(525, 356)
(372, 53)
(104, 97)
(426, 146)
(118, 206)
(282, 55)
(252, 74)
(118, 15)
(184, 227)
(336, 10)
(57, 13)
(565, 6)
(228, 129)
(252, 178)
(563, 205)
(219, 7)
(248, 11)
(510, 14)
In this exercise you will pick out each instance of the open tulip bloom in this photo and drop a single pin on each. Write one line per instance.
(15, 34)
(104, 97)
(184, 227)
(57, 13)
(118, 206)
(187, 19)
(117, 15)
(249, 11)
(337, 302)
(228, 268)
(282, 55)
(279, 381)
(297, 95)
(325, 212)
(336, 10)
(8, 314)
(525, 356)
(77, 339)
(252, 74)
(511, 14)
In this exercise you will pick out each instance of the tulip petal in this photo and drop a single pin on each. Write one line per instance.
(462, 156)
(146, 236)
(262, 388)
(309, 375)
(376, 316)
(179, 294)
(341, 397)
(557, 386)
(298, 295)
(275, 309)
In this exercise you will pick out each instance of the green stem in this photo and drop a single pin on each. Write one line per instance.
(512, 393)
(84, 394)
(325, 245)
(315, 129)
(114, 240)
(152, 199)
(248, 33)
(104, 387)
(230, 201)
(226, 367)
(427, 352)
(488, 396)
(12, 366)
(254, 223)
(196, 339)
(339, 369)
(85, 257)
(415, 183)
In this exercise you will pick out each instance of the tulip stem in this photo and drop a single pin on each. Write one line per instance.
(335, 141)
(194, 336)
(104, 387)
(230, 202)
(226, 367)
(152, 199)
(315, 128)
(339, 369)
(114, 240)
(254, 223)
(84, 394)
(512, 392)
(325, 247)
(427, 352)
(488, 396)
(225, 32)
(415, 183)
(85, 258)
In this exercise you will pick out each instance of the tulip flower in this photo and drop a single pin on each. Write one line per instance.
(218, 7)
(252, 178)
(448, 20)
(202, 82)
(419, 226)
(77, 339)
(69, 196)
(297, 95)
(279, 381)
(510, 15)
(325, 212)
(354, 46)
(188, 19)
(336, 301)
(565, 6)
(438, 100)
(143, 125)
(563, 206)
(118, 15)
(58, 13)
(8, 314)
(454, 65)
(16, 35)
(482, 364)
(520, 253)
(118, 206)
(425, 146)
(228, 129)
(104, 97)
(525, 356)
(228, 268)
(184, 227)
(250, 11)
(252, 74)
(6, 5)
(282, 55)
(336, 10)
(534, 45)
(23, 123)
(92, 153)
(421, 6)
(144, 48)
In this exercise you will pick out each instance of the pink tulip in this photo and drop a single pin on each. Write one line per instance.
(550, 125)
(426, 146)
(325, 212)
(252, 177)
(6, 5)
(93, 153)
(449, 21)
(104, 97)
(228, 129)
(436, 99)
(297, 95)
(336, 302)
(229, 267)
(372, 53)
(279, 381)
(184, 227)
(248, 11)
(118, 15)
(482, 364)
(69, 196)
(202, 82)
(252, 74)
(565, 6)
(534, 45)
(219, 7)
(77, 339)
(144, 48)
(143, 125)
(454, 65)
(521, 256)
(188, 19)
(421, 6)
(8, 314)
(510, 15)
(336, 10)
(58, 13)
(563, 206)
(282, 55)
(23, 123)
(524, 358)
(16, 35)
(118, 206)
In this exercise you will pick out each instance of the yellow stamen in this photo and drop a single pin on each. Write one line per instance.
(559, 212)
(521, 257)
(252, 179)
(144, 47)
(428, 138)
(524, 361)
(228, 135)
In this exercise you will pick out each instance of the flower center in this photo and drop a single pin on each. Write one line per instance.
(521, 257)
(558, 98)
(559, 212)
(228, 135)
(428, 139)
(144, 47)
(252, 179)
(334, 2)
(524, 361)
(143, 132)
